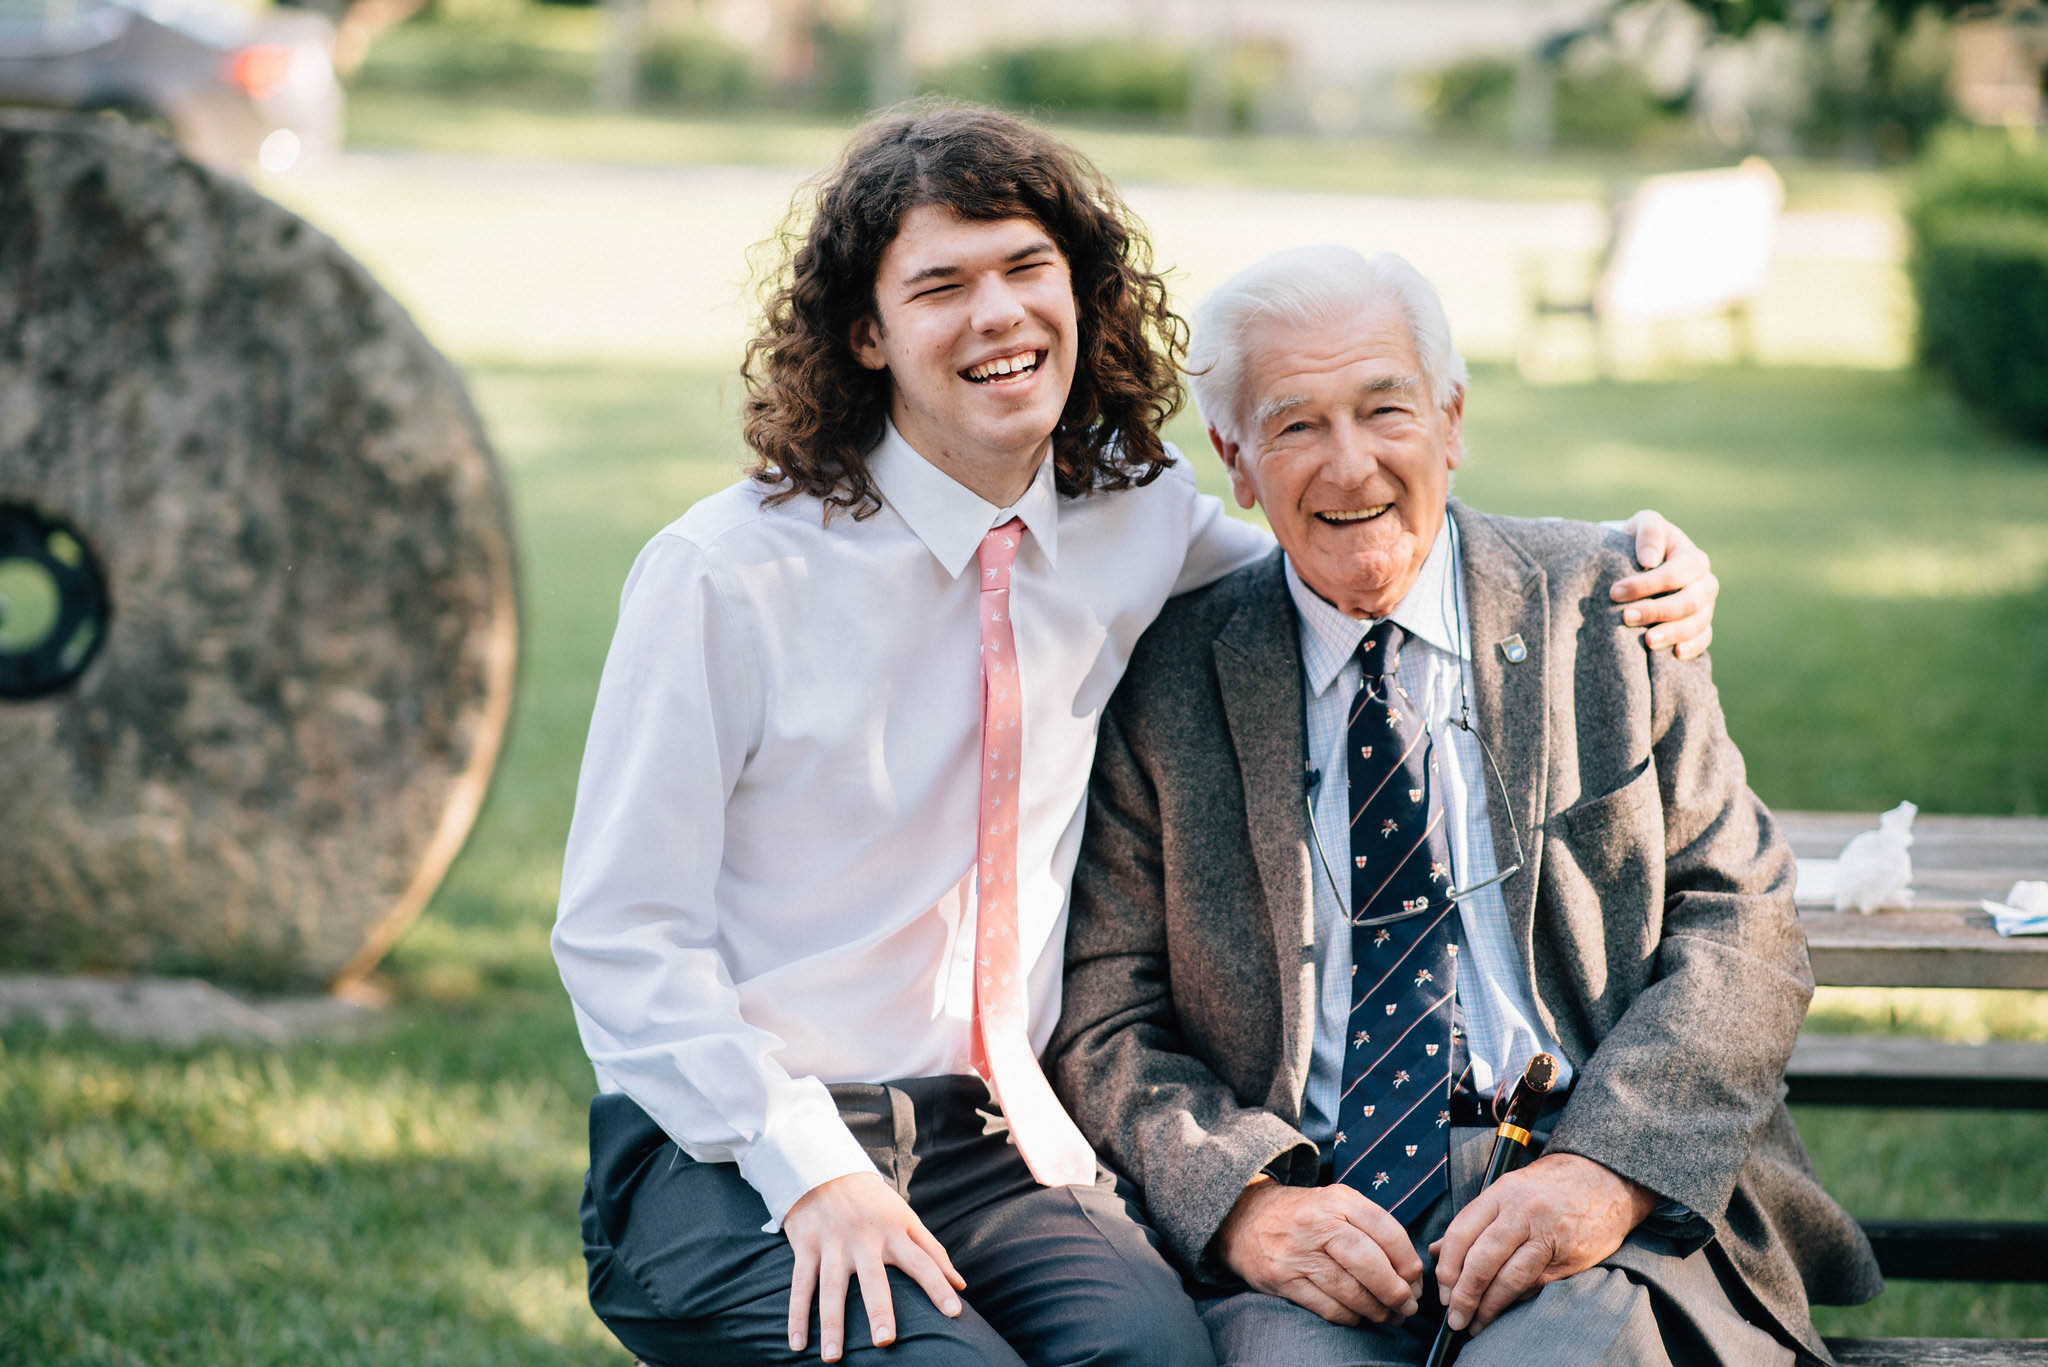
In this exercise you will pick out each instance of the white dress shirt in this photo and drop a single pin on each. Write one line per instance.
(767, 887)
(1501, 1029)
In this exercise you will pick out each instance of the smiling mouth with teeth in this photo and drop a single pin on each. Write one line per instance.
(1004, 368)
(1348, 516)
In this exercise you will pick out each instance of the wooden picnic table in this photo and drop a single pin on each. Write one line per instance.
(1946, 939)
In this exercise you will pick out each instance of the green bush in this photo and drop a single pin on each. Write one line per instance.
(1982, 284)
(550, 57)
(1472, 98)
(695, 71)
(1878, 89)
(475, 58)
(1981, 171)
(1605, 105)
(1609, 106)
(844, 67)
(1979, 267)
(1120, 79)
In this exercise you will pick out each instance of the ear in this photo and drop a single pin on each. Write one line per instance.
(1233, 457)
(1454, 433)
(866, 339)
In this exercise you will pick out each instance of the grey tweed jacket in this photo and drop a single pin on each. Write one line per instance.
(1654, 915)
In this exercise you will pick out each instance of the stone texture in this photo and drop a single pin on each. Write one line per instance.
(290, 725)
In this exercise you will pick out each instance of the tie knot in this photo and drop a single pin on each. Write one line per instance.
(1380, 651)
(998, 553)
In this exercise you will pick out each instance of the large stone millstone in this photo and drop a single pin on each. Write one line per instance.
(258, 617)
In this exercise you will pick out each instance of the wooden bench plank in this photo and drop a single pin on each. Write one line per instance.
(1960, 1251)
(1938, 1352)
(1921, 949)
(1899, 1070)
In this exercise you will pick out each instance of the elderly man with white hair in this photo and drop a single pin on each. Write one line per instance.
(1377, 820)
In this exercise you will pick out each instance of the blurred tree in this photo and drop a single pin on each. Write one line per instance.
(889, 78)
(1209, 95)
(1737, 17)
(1876, 82)
(621, 54)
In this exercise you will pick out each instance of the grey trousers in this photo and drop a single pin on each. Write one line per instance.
(683, 1275)
(1647, 1307)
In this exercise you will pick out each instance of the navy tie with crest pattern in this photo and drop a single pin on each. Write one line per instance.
(1393, 1117)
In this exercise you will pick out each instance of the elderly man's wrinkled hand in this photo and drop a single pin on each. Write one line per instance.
(1560, 1215)
(1327, 1249)
(1674, 595)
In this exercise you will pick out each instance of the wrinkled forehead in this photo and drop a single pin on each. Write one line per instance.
(1352, 355)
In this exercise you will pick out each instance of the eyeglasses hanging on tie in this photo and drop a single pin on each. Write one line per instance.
(1507, 811)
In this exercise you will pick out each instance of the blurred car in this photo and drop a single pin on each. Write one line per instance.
(234, 88)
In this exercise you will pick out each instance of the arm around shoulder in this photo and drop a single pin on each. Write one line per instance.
(1217, 543)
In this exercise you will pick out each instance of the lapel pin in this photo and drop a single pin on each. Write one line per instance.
(1514, 650)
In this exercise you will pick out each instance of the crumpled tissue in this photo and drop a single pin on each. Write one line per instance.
(1875, 869)
(2024, 910)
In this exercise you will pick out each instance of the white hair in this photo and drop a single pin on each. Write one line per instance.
(1311, 287)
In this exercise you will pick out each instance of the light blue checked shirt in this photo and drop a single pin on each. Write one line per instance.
(1500, 1015)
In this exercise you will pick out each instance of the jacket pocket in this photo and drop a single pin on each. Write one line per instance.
(1602, 886)
(1621, 807)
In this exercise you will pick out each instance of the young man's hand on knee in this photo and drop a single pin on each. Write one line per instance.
(856, 1226)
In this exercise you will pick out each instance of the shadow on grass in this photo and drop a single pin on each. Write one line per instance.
(1932, 1165)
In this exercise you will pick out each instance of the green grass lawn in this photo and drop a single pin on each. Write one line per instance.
(411, 1199)
(1884, 624)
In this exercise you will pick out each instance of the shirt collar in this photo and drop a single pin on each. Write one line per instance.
(951, 518)
(1329, 638)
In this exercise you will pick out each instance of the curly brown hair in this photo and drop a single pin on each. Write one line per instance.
(813, 412)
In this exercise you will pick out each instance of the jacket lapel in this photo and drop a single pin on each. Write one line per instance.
(1258, 674)
(1505, 591)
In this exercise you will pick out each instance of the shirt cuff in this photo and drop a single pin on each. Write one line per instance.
(804, 1145)
(1676, 1227)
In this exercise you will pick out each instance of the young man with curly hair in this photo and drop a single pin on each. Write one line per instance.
(814, 898)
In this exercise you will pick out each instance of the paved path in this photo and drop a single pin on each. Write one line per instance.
(572, 260)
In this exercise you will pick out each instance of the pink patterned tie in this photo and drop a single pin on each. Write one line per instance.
(1044, 1134)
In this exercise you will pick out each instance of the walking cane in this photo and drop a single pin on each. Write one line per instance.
(1510, 1142)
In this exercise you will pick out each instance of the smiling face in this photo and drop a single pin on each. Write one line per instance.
(974, 322)
(1343, 447)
